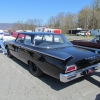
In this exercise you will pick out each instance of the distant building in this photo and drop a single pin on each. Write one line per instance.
(76, 30)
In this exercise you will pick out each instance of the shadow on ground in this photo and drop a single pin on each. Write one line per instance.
(56, 84)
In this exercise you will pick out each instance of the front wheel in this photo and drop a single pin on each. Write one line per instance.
(35, 71)
(8, 53)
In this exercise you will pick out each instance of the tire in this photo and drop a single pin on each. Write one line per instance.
(34, 70)
(8, 53)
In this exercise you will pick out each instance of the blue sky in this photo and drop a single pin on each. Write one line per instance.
(21, 10)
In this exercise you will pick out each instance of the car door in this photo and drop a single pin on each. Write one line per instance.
(25, 51)
(17, 45)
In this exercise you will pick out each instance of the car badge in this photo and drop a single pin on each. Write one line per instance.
(90, 57)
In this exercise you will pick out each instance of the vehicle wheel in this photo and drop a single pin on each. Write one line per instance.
(35, 71)
(8, 53)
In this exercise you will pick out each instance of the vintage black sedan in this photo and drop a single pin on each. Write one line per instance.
(54, 55)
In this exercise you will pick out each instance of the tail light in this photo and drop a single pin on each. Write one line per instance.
(70, 68)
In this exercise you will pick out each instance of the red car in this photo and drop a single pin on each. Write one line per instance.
(14, 34)
(93, 43)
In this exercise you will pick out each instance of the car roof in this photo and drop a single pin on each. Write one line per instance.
(36, 33)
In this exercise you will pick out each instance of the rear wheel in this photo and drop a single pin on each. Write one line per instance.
(8, 53)
(35, 71)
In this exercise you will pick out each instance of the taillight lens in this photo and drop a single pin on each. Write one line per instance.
(70, 68)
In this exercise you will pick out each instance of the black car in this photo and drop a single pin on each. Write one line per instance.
(54, 55)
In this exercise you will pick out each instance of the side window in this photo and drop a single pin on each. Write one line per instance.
(58, 39)
(98, 40)
(27, 40)
(20, 38)
(48, 38)
(37, 39)
(95, 39)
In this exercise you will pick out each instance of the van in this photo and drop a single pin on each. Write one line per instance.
(95, 32)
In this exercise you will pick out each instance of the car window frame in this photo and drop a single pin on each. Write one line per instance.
(18, 40)
(62, 36)
(25, 38)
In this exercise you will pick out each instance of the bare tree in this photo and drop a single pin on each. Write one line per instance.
(63, 21)
(95, 18)
(30, 24)
(84, 17)
(96, 5)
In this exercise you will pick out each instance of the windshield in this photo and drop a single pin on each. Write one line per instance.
(51, 41)
(96, 39)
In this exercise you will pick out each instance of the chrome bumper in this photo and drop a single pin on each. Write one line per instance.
(76, 74)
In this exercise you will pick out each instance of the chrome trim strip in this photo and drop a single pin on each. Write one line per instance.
(76, 74)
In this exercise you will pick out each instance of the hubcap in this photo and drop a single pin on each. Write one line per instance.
(34, 68)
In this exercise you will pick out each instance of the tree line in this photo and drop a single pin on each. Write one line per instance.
(87, 18)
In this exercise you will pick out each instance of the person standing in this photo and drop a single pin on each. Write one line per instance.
(87, 34)
(84, 34)
(2, 43)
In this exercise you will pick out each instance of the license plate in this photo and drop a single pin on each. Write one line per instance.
(89, 71)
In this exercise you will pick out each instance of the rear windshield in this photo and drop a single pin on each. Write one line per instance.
(51, 41)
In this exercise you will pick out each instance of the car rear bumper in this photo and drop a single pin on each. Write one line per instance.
(78, 73)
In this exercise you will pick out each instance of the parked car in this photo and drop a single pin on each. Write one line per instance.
(54, 55)
(82, 33)
(93, 43)
(6, 37)
(14, 34)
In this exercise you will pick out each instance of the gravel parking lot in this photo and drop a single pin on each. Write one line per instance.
(16, 83)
